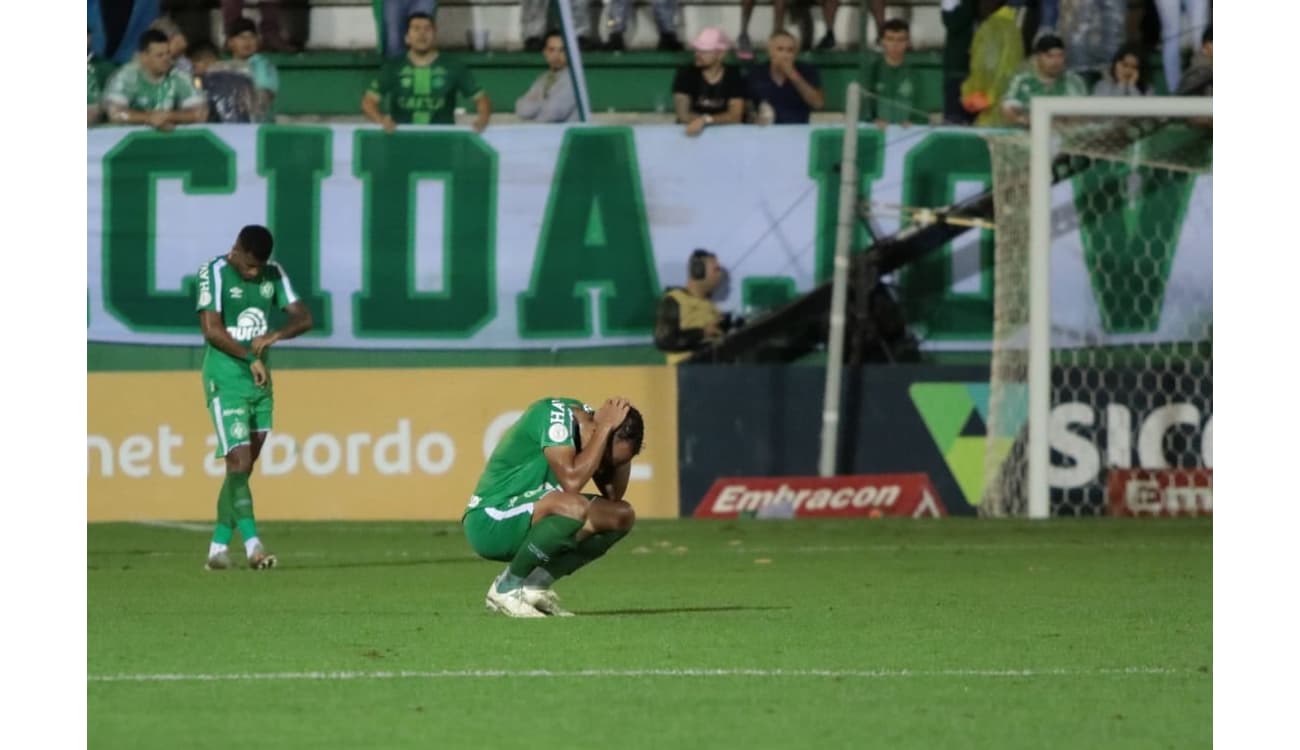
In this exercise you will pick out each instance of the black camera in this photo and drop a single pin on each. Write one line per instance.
(729, 322)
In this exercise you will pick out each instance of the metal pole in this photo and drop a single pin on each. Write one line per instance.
(840, 283)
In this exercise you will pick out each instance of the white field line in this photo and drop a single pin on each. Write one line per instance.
(975, 547)
(178, 525)
(453, 674)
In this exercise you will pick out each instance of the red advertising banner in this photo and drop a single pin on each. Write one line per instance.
(862, 495)
(1160, 492)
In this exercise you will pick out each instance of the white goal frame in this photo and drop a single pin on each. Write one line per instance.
(1042, 112)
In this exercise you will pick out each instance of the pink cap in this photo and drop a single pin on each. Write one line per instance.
(711, 39)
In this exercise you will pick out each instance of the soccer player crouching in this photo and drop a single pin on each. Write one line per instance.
(528, 509)
(236, 293)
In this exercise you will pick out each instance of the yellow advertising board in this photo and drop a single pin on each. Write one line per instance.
(350, 444)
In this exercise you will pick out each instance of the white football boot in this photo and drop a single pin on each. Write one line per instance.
(510, 603)
(545, 601)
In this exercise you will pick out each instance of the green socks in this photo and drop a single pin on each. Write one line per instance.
(225, 528)
(547, 540)
(588, 550)
(241, 501)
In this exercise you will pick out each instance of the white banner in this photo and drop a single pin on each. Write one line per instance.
(547, 236)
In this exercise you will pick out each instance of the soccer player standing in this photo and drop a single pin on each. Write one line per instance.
(236, 293)
(528, 509)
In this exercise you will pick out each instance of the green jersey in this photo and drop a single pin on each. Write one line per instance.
(132, 88)
(891, 93)
(244, 307)
(1027, 85)
(423, 94)
(517, 470)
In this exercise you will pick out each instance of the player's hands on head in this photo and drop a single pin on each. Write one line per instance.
(259, 373)
(263, 342)
(612, 413)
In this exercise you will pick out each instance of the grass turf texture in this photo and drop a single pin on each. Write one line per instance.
(916, 626)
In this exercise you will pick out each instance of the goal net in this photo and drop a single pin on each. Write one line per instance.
(1102, 336)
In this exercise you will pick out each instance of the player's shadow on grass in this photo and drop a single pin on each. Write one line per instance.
(670, 610)
(402, 563)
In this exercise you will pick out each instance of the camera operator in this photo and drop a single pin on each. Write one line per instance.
(686, 319)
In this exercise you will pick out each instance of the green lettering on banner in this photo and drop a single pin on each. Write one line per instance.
(1130, 222)
(826, 150)
(388, 304)
(595, 235)
(206, 166)
(931, 172)
(294, 161)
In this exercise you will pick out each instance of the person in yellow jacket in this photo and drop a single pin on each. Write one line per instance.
(686, 318)
(996, 53)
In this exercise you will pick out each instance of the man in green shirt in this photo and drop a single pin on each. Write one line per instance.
(149, 91)
(1045, 76)
(235, 296)
(528, 507)
(421, 89)
(890, 84)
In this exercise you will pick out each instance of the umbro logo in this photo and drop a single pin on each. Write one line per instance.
(236, 292)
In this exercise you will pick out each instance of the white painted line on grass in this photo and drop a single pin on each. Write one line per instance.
(632, 673)
(178, 525)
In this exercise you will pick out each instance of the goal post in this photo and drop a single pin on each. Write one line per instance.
(1113, 154)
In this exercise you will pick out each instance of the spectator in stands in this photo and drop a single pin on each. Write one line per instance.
(1040, 16)
(533, 14)
(1174, 36)
(1045, 76)
(889, 84)
(1091, 30)
(708, 92)
(92, 86)
(148, 91)
(551, 97)
(830, 8)
(785, 91)
(665, 19)
(686, 318)
(243, 43)
(392, 15)
(273, 39)
(116, 25)
(745, 48)
(877, 8)
(176, 42)
(959, 25)
(995, 55)
(1199, 78)
(421, 88)
(231, 95)
(1126, 75)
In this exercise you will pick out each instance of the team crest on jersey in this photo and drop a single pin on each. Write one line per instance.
(267, 289)
(558, 433)
(205, 298)
(236, 292)
(250, 324)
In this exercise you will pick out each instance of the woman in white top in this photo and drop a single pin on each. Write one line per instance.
(1126, 75)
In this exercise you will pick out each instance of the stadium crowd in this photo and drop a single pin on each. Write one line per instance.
(997, 55)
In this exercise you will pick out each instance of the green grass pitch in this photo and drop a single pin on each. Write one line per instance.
(690, 634)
